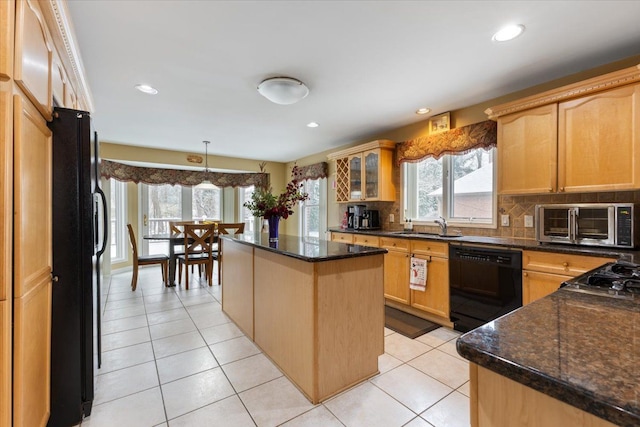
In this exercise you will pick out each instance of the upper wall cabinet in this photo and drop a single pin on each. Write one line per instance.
(599, 141)
(579, 138)
(527, 147)
(364, 173)
(33, 56)
(7, 9)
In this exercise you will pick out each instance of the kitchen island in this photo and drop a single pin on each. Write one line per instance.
(569, 359)
(314, 307)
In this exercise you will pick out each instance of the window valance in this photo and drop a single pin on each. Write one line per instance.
(159, 176)
(314, 171)
(455, 141)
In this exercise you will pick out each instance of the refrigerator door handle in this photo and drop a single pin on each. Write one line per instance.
(105, 222)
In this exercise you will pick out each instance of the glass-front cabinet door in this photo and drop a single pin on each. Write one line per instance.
(355, 177)
(371, 177)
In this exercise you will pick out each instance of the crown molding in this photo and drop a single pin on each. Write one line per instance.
(564, 93)
(380, 143)
(56, 16)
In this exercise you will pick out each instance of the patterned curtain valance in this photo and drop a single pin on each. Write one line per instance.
(314, 171)
(158, 176)
(455, 141)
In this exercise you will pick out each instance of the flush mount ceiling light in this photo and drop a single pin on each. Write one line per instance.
(146, 89)
(283, 90)
(423, 110)
(507, 33)
(312, 125)
(206, 184)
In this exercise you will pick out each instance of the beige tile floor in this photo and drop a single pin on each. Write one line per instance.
(171, 357)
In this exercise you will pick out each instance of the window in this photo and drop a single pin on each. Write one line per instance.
(117, 209)
(244, 195)
(313, 210)
(164, 203)
(206, 203)
(460, 188)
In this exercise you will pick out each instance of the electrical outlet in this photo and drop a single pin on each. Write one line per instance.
(391, 218)
(504, 220)
(528, 221)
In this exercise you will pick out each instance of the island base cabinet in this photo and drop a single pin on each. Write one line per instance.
(497, 401)
(237, 297)
(321, 323)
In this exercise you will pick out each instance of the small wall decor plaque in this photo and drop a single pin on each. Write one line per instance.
(194, 158)
(439, 123)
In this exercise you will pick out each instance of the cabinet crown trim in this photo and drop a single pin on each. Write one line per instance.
(586, 87)
(380, 143)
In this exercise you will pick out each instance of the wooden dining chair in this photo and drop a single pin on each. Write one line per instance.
(226, 228)
(198, 243)
(163, 260)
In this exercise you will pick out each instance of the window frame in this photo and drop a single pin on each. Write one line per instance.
(322, 208)
(118, 197)
(408, 175)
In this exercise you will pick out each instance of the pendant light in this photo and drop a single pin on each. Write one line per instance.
(206, 184)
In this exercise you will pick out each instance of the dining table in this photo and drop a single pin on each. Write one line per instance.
(174, 239)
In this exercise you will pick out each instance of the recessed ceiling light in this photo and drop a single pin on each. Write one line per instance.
(507, 33)
(423, 110)
(147, 89)
(312, 125)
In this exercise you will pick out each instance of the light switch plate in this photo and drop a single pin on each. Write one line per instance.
(391, 218)
(528, 221)
(504, 220)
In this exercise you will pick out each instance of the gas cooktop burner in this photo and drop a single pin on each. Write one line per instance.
(619, 279)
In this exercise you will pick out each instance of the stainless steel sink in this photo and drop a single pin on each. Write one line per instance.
(427, 233)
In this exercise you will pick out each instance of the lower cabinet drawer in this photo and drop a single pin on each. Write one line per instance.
(365, 240)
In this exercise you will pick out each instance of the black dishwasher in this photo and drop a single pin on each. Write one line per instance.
(484, 284)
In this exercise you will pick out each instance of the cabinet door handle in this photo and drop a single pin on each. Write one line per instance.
(565, 264)
(525, 274)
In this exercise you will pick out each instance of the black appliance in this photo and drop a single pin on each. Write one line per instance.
(358, 216)
(616, 279)
(370, 220)
(79, 240)
(484, 284)
(351, 214)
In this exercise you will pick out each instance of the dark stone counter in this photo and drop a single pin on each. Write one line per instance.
(579, 348)
(526, 244)
(306, 249)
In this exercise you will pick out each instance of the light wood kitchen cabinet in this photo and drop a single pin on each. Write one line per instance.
(364, 173)
(527, 151)
(33, 56)
(397, 265)
(6, 246)
(7, 9)
(31, 265)
(5, 363)
(435, 298)
(366, 240)
(583, 137)
(599, 141)
(396, 269)
(543, 272)
(341, 237)
(497, 401)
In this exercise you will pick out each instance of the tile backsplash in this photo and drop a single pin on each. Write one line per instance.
(514, 206)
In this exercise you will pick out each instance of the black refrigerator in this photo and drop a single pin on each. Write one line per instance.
(79, 239)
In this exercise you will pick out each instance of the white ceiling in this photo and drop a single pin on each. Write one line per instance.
(369, 65)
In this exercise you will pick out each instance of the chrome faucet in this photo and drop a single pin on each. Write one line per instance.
(443, 225)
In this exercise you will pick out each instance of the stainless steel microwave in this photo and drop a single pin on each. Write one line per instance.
(593, 224)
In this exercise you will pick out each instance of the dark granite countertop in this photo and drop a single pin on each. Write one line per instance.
(526, 244)
(576, 347)
(306, 249)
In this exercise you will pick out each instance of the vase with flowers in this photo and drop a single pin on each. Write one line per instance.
(265, 204)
